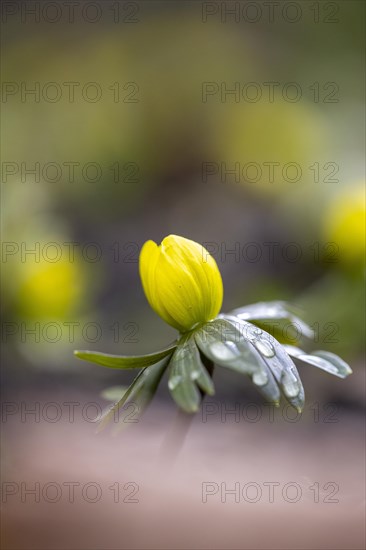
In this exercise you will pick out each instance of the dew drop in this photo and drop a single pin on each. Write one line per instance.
(260, 378)
(265, 348)
(174, 381)
(195, 374)
(224, 351)
(252, 332)
(291, 387)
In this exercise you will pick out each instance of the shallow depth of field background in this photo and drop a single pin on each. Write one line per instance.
(153, 155)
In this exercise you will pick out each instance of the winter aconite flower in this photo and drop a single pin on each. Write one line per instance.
(181, 281)
(183, 285)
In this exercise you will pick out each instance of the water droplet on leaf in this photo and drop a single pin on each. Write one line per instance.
(224, 351)
(291, 386)
(260, 378)
(174, 381)
(265, 348)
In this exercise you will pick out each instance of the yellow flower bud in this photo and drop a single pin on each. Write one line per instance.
(181, 281)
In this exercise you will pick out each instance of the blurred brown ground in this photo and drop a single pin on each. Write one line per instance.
(170, 513)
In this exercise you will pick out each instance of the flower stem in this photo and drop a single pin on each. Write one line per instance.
(174, 439)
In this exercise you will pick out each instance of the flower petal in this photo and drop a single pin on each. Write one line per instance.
(181, 281)
(149, 256)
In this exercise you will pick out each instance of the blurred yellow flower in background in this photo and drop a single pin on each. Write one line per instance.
(345, 223)
(181, 281)
(50, 290)
(269, 146)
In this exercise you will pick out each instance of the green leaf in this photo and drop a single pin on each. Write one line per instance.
(341, 368)
(267, 311)
(223, 343)
(139, 393)
(124, 361)
(324, 360)
(114, 393)
(185, 369)
(112, 412)
(201, 375)
(277, 360)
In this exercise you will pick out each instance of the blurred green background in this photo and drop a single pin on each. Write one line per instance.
(142, 152)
